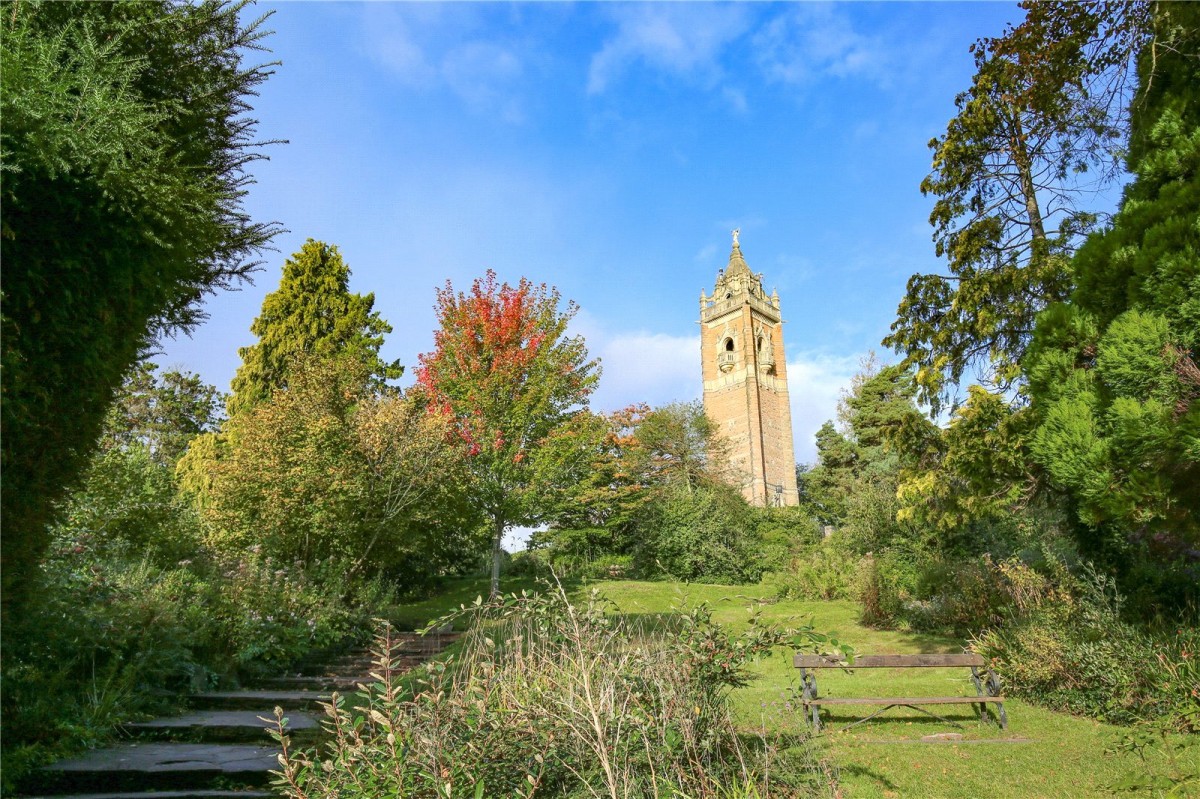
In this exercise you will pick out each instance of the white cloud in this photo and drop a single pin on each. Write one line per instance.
(656, 368)
(481, 72)
(815, 384)
(684, 40)
(390, 43)
(811, 40)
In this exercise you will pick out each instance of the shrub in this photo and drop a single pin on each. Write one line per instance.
(825, 573)
(1074, 652)
(553, 699)
(272, 614)
(705, 533)
(885, 588)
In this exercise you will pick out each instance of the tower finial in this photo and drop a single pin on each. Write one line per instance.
(736, 232)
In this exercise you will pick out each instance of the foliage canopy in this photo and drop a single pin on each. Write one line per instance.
(511, 382)
(125, 147)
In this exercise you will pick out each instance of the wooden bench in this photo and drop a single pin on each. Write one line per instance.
(987, 685)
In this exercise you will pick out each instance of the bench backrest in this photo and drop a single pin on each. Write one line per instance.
(886, 661)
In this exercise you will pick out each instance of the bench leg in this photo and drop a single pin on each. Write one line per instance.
(808, 682)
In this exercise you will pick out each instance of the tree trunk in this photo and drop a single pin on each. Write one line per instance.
(497, 535)
(1024, 164)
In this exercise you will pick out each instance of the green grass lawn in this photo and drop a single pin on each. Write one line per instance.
(1041, 754)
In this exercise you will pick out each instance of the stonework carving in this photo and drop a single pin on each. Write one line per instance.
(745, 381)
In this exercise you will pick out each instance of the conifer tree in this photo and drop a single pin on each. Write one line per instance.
(1034, 135)
(125, 145)
(1113, 371)
(312, 312)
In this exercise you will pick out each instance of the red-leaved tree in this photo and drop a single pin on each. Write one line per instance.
(514, 385)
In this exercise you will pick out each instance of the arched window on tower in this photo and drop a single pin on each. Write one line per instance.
(727, 355)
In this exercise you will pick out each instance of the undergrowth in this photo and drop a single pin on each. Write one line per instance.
(554, 699)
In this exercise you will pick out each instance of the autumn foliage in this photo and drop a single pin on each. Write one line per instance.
(510, 380)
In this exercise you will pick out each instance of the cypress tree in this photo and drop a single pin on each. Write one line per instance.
(312, 312)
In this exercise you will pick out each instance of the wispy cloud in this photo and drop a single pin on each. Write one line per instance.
(429, 47)
(642, 366)
(813, 40)
(483, 75)
(683, 40)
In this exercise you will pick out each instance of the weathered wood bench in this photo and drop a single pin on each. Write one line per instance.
(987, 685)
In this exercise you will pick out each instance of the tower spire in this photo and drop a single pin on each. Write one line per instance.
(737, 264)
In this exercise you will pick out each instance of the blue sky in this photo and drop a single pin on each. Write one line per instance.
(608, 149)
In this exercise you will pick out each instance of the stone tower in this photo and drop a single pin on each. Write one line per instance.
(745, 382)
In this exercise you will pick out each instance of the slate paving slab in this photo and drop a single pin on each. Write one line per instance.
(209, 768)
(222, 725)
(258, 700)
(149, 766)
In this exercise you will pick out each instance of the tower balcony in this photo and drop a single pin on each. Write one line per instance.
(726, 361)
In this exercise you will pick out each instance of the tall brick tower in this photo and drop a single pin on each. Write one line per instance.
(745, 381)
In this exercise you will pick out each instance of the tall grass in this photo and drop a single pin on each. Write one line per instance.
(549, 698)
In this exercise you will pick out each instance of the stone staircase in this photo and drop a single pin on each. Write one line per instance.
(220, 747)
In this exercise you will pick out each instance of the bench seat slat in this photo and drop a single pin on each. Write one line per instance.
(888, 661)
(901, 700)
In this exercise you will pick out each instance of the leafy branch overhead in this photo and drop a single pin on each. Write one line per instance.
(1039, 132)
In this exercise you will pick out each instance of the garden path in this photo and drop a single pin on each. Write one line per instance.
(220, 748)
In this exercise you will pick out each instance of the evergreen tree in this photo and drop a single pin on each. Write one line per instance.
(312, 312)
(124, 146)
(1043, 108)
(162, 412)
(1113, 372)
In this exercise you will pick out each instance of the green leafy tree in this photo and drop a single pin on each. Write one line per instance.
(612, 486)
(312, 312)
(680, 444)
(1113, 371)
(1045, 107)
(827, 485)
(854, 483)
(161, 411)
(124, 145)
(639, 454)
(337, 466)
(976, 469)
(509, 378)
(703, 532)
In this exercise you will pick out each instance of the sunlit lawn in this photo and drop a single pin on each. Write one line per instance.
(1041, 754)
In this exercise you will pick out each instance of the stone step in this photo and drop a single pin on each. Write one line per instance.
(320, 684)
(156, 766)
(264, 701)
(225, 726)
